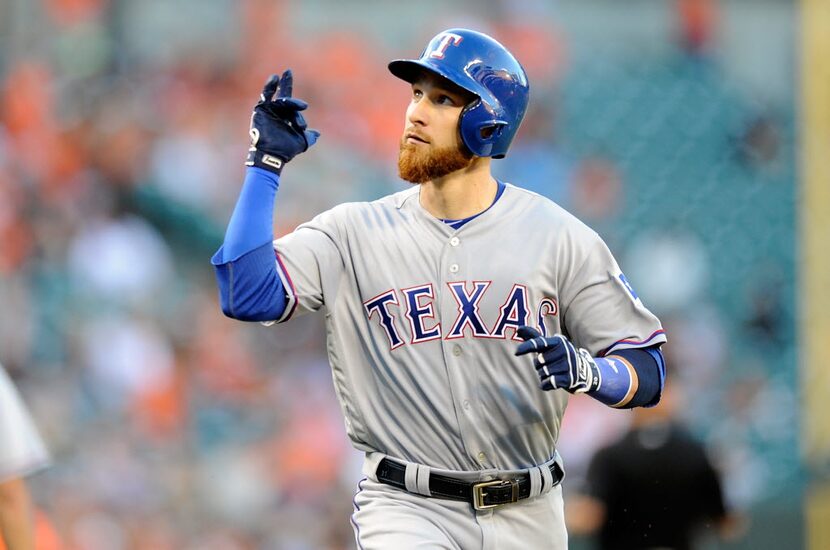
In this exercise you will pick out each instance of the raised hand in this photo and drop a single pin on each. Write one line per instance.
(278, 130)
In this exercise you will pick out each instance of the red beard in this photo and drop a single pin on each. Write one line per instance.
(417, 164)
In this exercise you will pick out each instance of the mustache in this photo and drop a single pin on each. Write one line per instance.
(412, 133)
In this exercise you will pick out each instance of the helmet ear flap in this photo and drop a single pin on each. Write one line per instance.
(481, 128)
(493, 131)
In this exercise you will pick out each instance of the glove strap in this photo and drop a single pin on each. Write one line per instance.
(264, 161)
(592, 376)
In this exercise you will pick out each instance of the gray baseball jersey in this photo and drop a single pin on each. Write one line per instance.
(21, 448)
(421, 322)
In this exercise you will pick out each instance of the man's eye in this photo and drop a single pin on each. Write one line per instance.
(446, 100)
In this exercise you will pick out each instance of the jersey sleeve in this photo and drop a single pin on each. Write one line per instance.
(310, 264)
(601, 311)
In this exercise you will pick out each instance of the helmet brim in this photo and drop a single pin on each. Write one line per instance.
(410, 70)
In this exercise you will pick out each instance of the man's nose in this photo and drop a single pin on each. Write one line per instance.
(418, 112)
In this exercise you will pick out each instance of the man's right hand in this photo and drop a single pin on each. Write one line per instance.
(278, 130)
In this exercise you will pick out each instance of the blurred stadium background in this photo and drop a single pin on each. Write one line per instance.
(671, 127)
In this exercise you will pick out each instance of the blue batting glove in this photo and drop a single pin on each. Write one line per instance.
(278, 130)
(558, 363)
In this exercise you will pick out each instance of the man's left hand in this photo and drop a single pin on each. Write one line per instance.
(558, 363)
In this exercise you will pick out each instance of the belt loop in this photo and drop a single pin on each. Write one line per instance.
(535, 482)
(422, 479)
(547, 478)
(560, 466)
(411, 477)
(371, 463)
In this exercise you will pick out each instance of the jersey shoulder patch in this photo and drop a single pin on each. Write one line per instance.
(620, 277)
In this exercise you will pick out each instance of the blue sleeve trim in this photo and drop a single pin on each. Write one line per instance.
(250, 288)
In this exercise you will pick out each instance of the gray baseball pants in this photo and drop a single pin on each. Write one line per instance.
(387, 518)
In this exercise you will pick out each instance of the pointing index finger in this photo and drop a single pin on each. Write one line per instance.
(286, 87)
(535, 344)
(527, 332)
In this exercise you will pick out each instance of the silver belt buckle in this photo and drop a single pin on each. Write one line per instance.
(479, 492)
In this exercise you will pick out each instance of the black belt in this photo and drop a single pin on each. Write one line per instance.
(482, 494)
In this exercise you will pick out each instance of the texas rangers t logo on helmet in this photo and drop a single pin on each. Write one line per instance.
(442, 46)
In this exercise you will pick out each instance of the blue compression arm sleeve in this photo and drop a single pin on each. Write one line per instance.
(250, 288)
(631, 377)
(251, 223)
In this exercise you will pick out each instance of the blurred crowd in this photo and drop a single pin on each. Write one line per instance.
(121, 153)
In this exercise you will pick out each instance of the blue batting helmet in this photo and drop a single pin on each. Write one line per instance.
(485, 68)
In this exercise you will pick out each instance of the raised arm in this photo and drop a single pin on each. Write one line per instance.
(250, 288)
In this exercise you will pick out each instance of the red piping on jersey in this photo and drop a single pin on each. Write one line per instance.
(635, 342)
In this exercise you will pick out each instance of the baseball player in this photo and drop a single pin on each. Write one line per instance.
(21, 453)
(461, 313)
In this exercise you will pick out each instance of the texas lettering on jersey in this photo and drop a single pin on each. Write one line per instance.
(415, 305)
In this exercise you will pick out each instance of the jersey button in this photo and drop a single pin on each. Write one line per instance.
(456, 350)
(482, 457)
(466, 405)
(454, 241)
(454, 268)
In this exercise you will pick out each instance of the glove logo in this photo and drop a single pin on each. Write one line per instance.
(273, 162)
(441, 47)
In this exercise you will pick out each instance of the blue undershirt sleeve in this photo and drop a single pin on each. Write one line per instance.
(631, 377)
(655, 352)
(250, 288)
